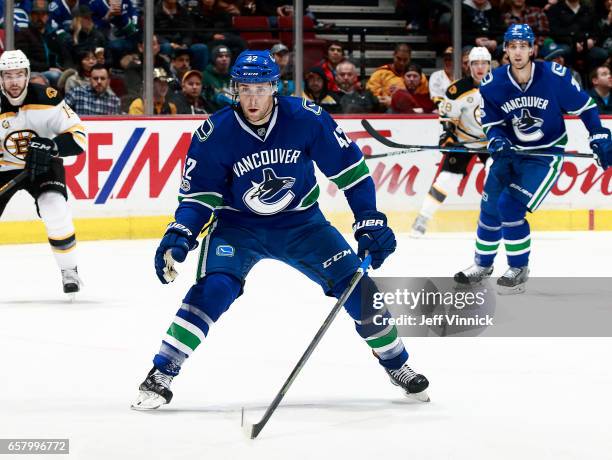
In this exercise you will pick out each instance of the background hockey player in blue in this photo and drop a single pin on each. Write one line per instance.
(249, 176)
(523, 107)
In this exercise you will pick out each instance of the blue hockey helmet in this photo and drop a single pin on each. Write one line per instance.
(519, 32)
(255, 67)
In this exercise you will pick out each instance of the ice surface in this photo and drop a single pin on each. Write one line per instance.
(72, 370)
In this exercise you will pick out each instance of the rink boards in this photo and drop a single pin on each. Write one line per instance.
(126, 185)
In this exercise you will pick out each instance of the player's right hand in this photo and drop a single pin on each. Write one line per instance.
(174, 246)
(500, 147)
(601, 144)
(38, 159)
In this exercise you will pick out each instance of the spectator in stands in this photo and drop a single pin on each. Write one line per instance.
(604, 27)
(481, 24)
(275, 8)
(71, 78)
(132, 64)
(189, 100)
(61, 14)
(172, 23)
(207, 15)
(95, 98)
(465, 62)
(409, 100)
(286, 85)
(100, 55)
(179, 66)
(387, 78)
(550, 51)
(216, 79)
(21, 14)
(230, 6)
(315, 89)
(39, 79)
(175, 27)
(573, 26)
(390, 77)
(161, 106)
(334, 55)
(352, 97)
(518, 12)
(116, 18)
(440, 80)
(39, 42)
(602, 84)
(415, 12)
(83, 34)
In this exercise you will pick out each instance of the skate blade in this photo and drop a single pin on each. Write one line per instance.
(147, 400)
(421, 397)
(507, 290)
(416, 235)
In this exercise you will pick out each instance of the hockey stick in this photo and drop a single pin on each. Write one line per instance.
(253, 429)
(14, 181)
(415, 148)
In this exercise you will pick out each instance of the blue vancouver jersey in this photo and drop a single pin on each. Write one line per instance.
(532, 118)
(60, 15)
(268, 178)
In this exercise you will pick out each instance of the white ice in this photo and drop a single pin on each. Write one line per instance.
(71, 370)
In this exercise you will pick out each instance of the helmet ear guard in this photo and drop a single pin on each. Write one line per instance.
(14, 60)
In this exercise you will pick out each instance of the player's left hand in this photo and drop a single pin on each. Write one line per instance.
(38, 159)
(374, 237)
(601, 144)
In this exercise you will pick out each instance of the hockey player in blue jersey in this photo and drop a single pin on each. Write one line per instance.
(249, 177)
(523, 107)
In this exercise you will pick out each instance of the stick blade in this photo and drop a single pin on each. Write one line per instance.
(247, 428)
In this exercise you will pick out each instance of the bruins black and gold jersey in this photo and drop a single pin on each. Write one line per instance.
(461, 106)
(42, 114)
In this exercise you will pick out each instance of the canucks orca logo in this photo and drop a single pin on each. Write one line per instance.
(267, 197)
(527, 127)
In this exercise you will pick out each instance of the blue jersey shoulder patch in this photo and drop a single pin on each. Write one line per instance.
(558, 69)
(309, 105)
(488, 78)
(205, 130)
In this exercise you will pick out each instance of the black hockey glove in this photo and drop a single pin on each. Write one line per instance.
(374, 237)
(448, 137)
(38, 159)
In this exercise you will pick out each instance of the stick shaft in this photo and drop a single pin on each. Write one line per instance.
(14, 181)
(407, 148)
(257, 427)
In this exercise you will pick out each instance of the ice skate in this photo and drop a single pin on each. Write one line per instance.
(71, 281)
(419, 227)
(473, 275)
(154, 391)
(412, 383)
(513, 281)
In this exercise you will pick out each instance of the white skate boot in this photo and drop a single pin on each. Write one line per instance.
(154, 391)
(513, 281)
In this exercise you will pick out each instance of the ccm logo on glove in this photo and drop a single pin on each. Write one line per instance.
(39, 146)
